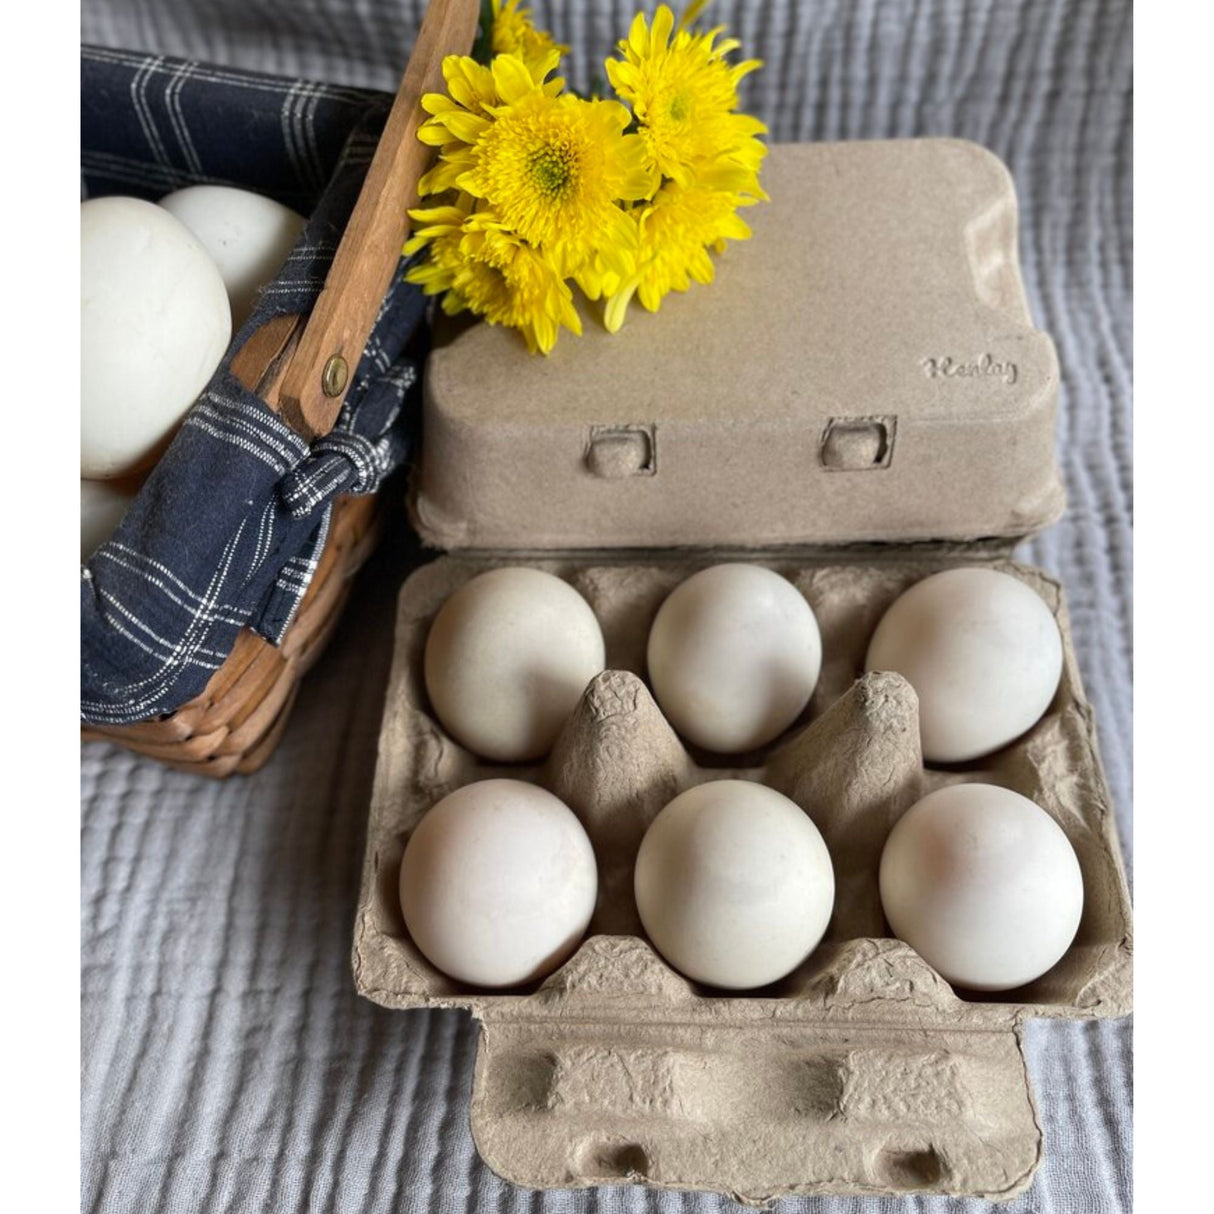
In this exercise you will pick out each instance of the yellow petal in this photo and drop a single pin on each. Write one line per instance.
(700, 267)
(462, 93)
(456, 66)
(443, 176)
(464, 126)
(433, 134)
(437, 103)
(438, 214)
(651, 297)
(638, 36)
(663, 24)
(620, 75)
(512, 79)
(735, 228)
(743, 69)
(548, 63)
(639, 178)
(617, 306)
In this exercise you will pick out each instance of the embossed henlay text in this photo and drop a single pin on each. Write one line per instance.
(948, 367)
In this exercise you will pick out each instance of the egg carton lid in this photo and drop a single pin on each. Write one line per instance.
(863, 369)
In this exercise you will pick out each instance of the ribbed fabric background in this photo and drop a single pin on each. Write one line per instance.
(226, 1063)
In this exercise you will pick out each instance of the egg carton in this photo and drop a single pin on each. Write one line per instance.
(863, 1071)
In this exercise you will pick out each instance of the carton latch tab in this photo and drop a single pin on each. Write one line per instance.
(615, 452)
(858, 444)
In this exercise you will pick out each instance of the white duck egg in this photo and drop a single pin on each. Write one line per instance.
(734, 884)
(734, 655)
(247, 235)
(154, 325)
(507, 659)
(983, 884)
(498, 883)
(983, 653)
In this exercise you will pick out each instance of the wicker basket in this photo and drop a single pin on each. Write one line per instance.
(300, 367)
(234, 725)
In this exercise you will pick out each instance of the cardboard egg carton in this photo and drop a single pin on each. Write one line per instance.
(859, 400)
(861, 1072)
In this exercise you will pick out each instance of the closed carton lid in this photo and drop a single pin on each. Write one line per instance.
(863, 369)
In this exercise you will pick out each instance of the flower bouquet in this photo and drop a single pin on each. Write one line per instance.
(537, 190)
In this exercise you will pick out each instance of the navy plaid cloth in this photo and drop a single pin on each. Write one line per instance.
(227, 529)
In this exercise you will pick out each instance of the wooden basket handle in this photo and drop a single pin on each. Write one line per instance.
(306, 375)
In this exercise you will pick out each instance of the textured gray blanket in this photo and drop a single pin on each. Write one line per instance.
(227, 1064)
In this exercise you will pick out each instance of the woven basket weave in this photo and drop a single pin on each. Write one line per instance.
(234, 725)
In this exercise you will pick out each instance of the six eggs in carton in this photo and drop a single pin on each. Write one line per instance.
(733, 881)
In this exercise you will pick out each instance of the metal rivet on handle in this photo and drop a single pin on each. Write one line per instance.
(333, 379)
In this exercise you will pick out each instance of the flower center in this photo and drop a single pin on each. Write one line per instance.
(552, 169)
(680, 105)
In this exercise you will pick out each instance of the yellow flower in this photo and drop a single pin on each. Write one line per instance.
(540, 189)
(478, 264)
(674, 233)
(460, 114)
(550, 167)
(513, 34)
(684, 94)
(553, 168)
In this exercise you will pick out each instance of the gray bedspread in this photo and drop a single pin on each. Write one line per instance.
(226, 1062)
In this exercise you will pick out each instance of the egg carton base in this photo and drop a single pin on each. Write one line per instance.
(680, 1070)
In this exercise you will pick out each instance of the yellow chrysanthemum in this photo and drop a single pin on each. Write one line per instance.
(476, 263)
(550, 189)
(553, 168)
(674, 233)
(460, 114)
(514, 34)
(550, 167)
(684, 95)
